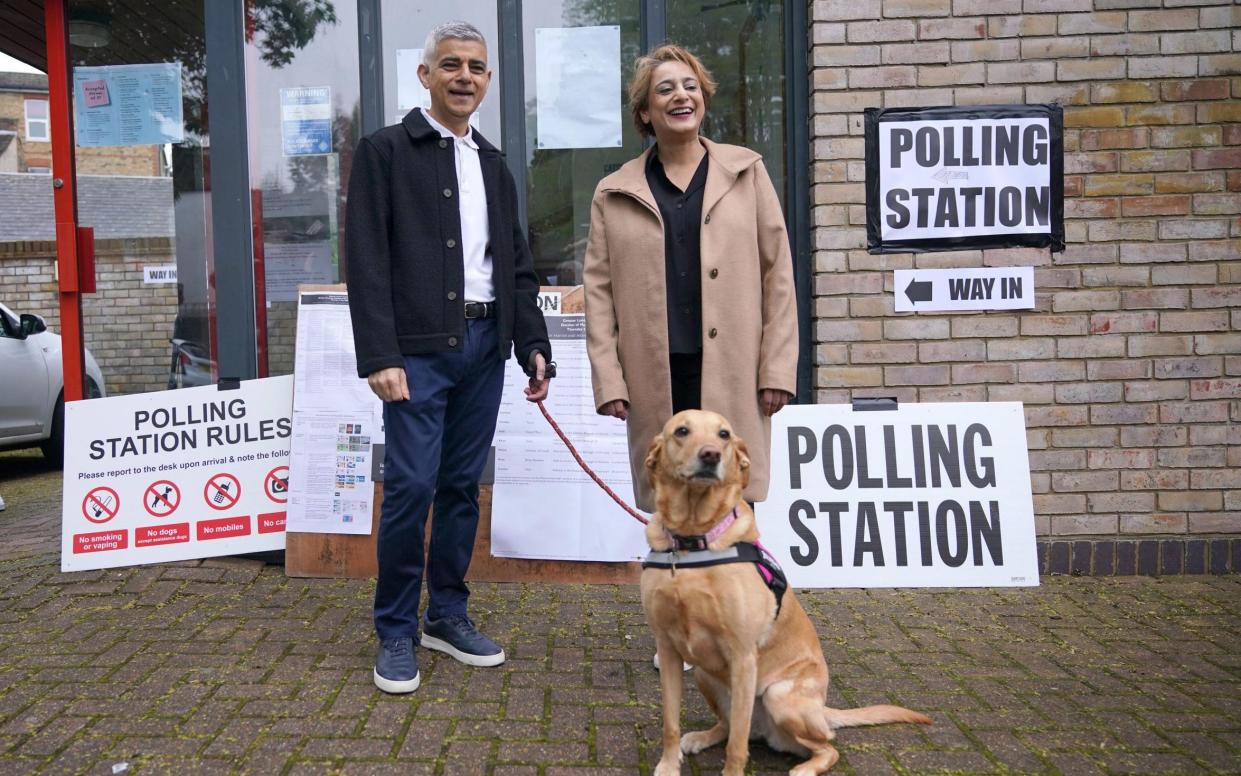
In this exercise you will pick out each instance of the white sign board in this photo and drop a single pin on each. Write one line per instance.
(157, 274)
(928, 495)
(174, 475)
(543, 505)
(955, 178)
(971, 288)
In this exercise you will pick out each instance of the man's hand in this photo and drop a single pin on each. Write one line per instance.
(618, 408)
(773, 400)
(389, 384)
(539, 384)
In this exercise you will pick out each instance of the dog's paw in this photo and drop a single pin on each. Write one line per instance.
(693, 743)
(668, 767)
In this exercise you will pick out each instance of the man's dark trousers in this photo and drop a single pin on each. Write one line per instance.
(437, 445)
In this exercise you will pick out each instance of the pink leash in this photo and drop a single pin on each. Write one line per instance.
(577, 457)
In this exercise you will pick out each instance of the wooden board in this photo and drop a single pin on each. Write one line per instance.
(353, 557)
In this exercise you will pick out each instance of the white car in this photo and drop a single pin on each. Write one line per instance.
(32, 402)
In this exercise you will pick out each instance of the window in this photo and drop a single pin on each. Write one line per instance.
(37, 126)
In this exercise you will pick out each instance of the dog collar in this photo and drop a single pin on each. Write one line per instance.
(699, 542)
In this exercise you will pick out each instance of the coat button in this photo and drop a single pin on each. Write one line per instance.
(452, 342)
(715, 273)
(712, 333)
(443, 143)
(708, 219)
(452, 296)
(447, 192)
(451, 243)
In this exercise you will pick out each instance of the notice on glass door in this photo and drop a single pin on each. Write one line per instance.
(306, 120)
(578, 87)
(127, 105)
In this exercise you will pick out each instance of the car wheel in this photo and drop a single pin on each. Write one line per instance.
(54, 447)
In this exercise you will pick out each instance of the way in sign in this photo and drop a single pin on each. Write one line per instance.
(983, 288)
(964, 288)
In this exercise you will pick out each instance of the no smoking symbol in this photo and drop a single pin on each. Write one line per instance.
(276, 484)
(101, 505)
(222, 491)
(162, 498)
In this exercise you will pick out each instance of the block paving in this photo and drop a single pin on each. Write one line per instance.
(227, 666)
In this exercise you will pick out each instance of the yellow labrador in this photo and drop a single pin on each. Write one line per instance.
(743, 639)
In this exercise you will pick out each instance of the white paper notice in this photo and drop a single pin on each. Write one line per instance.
(578, 87)
(543, 505)
(330, 490)
(336, 420)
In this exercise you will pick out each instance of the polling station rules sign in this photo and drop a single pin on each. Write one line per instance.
(941, 179)
(927, 495)
(175, 475)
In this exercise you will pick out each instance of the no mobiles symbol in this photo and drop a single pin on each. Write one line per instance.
(277, 484)
(222, 491)
(162, 498)
(101, 505)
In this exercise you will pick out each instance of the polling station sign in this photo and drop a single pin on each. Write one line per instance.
(926, 495)
(174, 475)
(946, 178)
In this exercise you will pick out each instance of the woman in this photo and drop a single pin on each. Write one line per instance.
(688, 276)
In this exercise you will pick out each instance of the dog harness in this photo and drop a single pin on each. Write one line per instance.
(741, 552)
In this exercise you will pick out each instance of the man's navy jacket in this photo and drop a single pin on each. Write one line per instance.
(405, 268)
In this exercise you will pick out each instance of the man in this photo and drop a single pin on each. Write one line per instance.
(441, 288)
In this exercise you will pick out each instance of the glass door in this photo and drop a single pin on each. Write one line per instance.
(302, 108)
(404, 25)
(578, 61)
(142, 154)
(742, 44)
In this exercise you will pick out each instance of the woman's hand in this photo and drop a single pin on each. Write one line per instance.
(773, 400)
(618, 408)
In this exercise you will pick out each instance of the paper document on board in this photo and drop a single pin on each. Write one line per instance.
(543, 505)
(578, 87)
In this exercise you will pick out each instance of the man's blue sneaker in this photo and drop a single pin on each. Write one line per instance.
(396, 666)
(457, 636)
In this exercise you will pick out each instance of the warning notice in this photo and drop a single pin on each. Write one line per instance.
(927, 495)
(174, 475)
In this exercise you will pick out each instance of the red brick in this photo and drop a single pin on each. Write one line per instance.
(1217, 159)
(1155, 206)
(1202, 89)
(1103, 139)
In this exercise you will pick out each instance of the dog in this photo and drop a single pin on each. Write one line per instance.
(745, 640)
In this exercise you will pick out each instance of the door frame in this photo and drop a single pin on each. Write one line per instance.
(64, 199)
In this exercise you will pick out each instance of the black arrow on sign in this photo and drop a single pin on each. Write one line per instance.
(918, 291)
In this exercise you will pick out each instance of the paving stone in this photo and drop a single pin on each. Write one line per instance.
(227, 666)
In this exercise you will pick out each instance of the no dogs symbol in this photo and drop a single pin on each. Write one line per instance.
(101, 505)
(222, 491)
(276, 484)
(161, 498)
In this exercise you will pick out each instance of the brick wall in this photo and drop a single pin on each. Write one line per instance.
(127, 325)
(1130, 365)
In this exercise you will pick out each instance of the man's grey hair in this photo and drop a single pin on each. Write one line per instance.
(456, 30)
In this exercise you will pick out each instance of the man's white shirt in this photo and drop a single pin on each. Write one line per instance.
(472, 202)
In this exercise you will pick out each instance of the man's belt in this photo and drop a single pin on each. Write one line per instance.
(480, 309)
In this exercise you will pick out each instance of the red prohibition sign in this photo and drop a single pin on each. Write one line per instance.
(222, 491)
(101, 505)
(276, 484)
(161, 498)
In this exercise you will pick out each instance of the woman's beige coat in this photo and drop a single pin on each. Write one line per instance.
(749, 313)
